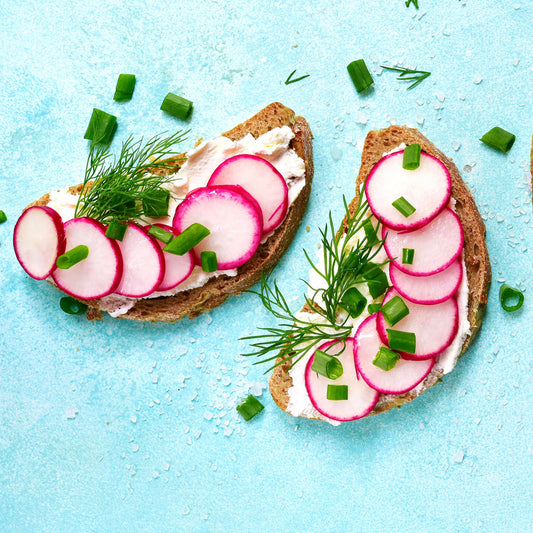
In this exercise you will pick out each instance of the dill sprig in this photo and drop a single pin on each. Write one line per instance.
(290, 79)
(407, 74)
(117, 191)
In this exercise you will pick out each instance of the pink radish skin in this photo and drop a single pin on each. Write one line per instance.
(437, 245)
(405, 375)
(232, 216)
(99, 274)
(435, 326)
(177, 267)
(38, 240)
(361, 398)
(144, 265)
(261, 180)
(432, 289)
(427, 189)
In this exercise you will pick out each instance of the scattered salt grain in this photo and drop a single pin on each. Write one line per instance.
(459, 456)
(71, 413)
(477, 80)
(420, 119)
(133, 419)
(134, 448)
(456, 145)
(155, 379)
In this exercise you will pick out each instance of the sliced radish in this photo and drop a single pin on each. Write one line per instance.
(144, 265)
(405, 375)
(361, 398)
(259, 178)
(435, 326)
(431, 289)
(232, 216)
(177, 267)
(100, 273)
(427, 189)
(38, 240)
(437, 245)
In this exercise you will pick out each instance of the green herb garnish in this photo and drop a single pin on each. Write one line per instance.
(416, 76)
(290, 80)
(414, 2)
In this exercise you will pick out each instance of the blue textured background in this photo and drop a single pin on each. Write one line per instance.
(119, 426)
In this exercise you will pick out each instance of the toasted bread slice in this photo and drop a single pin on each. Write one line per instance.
(216, 290)
(475, 255)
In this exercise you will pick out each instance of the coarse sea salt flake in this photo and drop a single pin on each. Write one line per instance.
(459, 456)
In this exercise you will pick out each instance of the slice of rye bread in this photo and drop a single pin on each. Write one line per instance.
(475, 255)
(216, 290)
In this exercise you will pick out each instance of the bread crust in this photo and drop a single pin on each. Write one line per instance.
(475, 255)
(216, 290)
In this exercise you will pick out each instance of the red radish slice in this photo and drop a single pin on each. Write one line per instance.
(177, 267)
(437, 245)
(260, 179)
(232, 216)
(427, 189)
(403, 377)
(431, 289)
(100, 273)
(361, 398)
(39, 239)
(435, 326)
(144, 265)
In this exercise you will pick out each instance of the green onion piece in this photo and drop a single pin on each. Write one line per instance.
(370, 232)
(509, 294)
(155, 204)
(373, 308)
(209, 261)
(71, 306)
(403, 206)
(372, 271)
(3, 217)
(499, 139)
(250, 407)
(337, 392)
(176, 106)
(354, 302)
(161, 234)
(124, 88)
(394, 310)
(376, 279)
(72, 257)
(101, 128)
(386, 359)
(326, 365)
(187, 240)
(411, 157)
(408, 255)
(360, 75)
(401, 341)
(116, 230)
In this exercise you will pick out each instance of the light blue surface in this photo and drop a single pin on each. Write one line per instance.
(119, 426)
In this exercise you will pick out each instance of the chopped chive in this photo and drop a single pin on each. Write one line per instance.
(250, 407)
(176, 106)
(116, 230)
(337, 392)
(360, 75)
(408, 255)
(71, 306)
(409, 2)
(3, 217)
(411, 157)
(370, 232)
(401, 341)
(403, 206)
(353, 301)
(187, 240)
(373, 308)
(72, 257)
(209, 261)
(510, 294)
(394, 310)
(161, 234)
(326, 365)
(101, 128)
(155, 204)
(499, 139)
(386, 359)
(376, 279)
(124, 88)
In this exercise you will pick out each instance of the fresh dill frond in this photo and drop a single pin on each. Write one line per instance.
(290, 79)
(407, 74)
(117, 191)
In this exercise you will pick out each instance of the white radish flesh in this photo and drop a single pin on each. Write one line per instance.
(405, 375)
(231, 215)
(436, 246)
(38, 240)
(427, 189)
(431, 289)
(435, 326)
(144, 265)
(260, 179)
(97, 275)
(361, 398)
